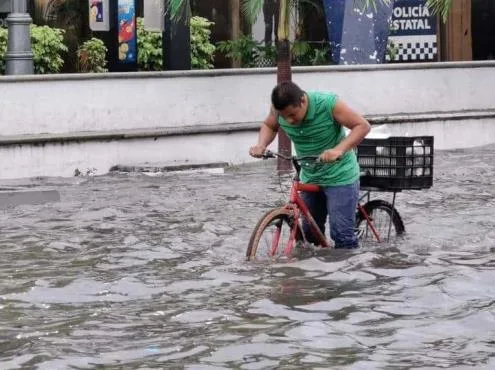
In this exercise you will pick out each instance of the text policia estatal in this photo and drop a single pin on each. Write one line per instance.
(411, 18)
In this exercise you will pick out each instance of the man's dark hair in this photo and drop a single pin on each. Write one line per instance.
(285, 94)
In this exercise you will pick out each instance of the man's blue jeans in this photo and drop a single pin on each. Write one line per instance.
(339, 203)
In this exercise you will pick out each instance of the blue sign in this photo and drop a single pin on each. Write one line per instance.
(413, 36)
(412, 17)
(357, 35)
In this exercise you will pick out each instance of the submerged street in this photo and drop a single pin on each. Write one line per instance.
(137, 272)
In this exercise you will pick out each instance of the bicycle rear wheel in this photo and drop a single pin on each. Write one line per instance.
(271, 235)
(383, 217)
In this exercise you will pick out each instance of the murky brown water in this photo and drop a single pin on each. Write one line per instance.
(138, 272)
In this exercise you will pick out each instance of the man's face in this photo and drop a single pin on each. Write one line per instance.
(294, 114)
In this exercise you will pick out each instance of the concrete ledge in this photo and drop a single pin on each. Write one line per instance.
(227, 128)
(431, 116)
(130, 134)
(244, 71)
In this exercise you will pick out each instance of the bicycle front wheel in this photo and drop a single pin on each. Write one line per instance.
(271, 235)
(384, 218)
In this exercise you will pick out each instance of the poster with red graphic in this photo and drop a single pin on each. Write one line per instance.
(127, 31)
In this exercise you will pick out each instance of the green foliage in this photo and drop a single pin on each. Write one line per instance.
(150, 53)
(92, 56)
(3, 48)
(392, 49)
(441, 7)
(149, 48)
(253, 53)
(305, 54)
(202, 49)
(266, 56)
(48, 49)
(245, 49)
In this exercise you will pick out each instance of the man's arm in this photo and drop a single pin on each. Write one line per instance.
(355, 122)
(268, 132)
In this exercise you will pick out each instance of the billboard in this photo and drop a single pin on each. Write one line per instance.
(413, 32)
(357, 36)
(99, 19)
(127, 33)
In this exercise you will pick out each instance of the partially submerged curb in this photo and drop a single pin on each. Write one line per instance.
(170, 167)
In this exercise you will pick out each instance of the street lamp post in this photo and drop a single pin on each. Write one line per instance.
(19, 56)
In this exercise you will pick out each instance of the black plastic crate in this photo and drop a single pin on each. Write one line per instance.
(397, 163)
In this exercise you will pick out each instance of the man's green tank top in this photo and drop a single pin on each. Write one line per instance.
(317, 133)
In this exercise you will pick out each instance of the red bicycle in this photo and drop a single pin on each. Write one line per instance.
(280, 229)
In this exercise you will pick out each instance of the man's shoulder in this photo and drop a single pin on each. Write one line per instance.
(324, 101)
(323, 94)
(328, 98)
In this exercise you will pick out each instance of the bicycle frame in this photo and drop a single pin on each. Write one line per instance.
(369, 223)
(297, 205)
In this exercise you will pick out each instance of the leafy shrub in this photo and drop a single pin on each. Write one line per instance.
(245, 49)
(92, 56)
(48, 49)
(305, 53)
(253, 53)
(150, 52)
(3, 48)
(149, 48)
(202, 49)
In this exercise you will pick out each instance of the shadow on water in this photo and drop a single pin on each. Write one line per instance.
(131, 271)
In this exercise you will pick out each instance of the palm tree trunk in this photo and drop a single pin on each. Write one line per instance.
(235, 27)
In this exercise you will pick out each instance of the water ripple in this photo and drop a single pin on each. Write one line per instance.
(131, 271)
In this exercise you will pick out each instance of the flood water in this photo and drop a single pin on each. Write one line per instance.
(138, 272)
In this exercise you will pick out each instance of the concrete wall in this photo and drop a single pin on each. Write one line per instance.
(50, 125)
(62, 103)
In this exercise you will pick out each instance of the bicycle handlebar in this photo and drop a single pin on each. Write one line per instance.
(270, 154)
(295, 159)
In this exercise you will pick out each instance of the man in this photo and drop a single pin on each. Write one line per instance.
(315, 121)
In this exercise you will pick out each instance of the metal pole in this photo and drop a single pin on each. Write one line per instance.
(19, 56)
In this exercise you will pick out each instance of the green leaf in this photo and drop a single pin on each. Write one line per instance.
(3, 48)
(441, 7)
(251, 9)
(180, 10)
(150, 52)
(48, 47)
(92, 56)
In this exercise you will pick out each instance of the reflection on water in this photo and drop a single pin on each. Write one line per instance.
(143, 272)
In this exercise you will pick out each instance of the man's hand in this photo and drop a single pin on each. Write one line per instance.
(331, 155)
(257, 151)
